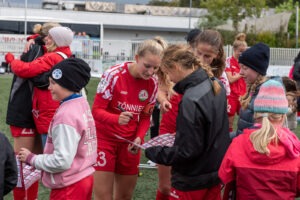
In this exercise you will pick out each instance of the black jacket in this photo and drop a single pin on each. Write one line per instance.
(19, 108)
(246, 116)
(202, 136)
(296, 72)
(8, 167)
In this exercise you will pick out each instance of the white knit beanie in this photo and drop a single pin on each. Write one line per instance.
(62, 36)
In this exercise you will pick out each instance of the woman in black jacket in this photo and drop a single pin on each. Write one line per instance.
(201, 129)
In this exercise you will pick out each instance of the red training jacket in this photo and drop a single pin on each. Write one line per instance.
(260, 176)
(43, 106)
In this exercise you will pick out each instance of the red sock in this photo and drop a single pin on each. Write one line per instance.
(31, 193)
(161, 196)
(19, 193)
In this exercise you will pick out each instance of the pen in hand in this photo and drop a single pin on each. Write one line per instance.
(120, 108)
(123, 110)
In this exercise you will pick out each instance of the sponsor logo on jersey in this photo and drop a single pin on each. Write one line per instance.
(124, 92)
(130, 107)
(143, 95)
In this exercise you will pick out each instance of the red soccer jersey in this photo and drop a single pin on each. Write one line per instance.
(119, 90)
(237, 88)
(168, 121)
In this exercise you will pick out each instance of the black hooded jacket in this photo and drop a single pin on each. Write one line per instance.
(19, 108)
(202, 136)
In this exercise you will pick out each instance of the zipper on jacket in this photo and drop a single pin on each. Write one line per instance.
(52, 179)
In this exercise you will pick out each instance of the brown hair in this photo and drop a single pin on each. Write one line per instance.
(182, 55)
(240, 40)
(213, 38)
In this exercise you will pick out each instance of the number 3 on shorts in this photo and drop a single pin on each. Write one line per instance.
(101, 161)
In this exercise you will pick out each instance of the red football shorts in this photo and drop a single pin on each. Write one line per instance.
(115, 157)
(233, 106)
(22, 132)
(80, 190)
(213, 193)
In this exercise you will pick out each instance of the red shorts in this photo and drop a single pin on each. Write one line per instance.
(115, 157)
(80, 190)
(233, 106)
(213, 193)
(22, 132)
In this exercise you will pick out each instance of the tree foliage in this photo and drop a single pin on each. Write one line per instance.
(289, 6)
(177, 3)
(236, 10)
(186, 3)
(274, 3)
(171, 3)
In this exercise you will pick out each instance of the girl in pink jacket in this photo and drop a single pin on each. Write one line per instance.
(70, 151)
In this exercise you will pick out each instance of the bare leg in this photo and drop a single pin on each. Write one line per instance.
(231, 120)
(31, 143)
(124, 186)
(103, 185)
(164, 177)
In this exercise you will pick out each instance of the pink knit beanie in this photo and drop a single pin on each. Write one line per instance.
(271, 98)
(62, 36)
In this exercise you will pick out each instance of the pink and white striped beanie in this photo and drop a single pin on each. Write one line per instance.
(271, 98)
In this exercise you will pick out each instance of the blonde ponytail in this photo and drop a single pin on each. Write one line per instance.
(267, 133)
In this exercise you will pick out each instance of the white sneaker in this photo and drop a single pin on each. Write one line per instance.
(150, 163)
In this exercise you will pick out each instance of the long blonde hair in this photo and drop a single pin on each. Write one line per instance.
(245, 100)
(262, 137)
(181, 54)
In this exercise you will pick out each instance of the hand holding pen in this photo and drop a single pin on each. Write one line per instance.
(125, 116)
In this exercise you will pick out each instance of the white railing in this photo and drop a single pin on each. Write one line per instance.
(115, 51)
